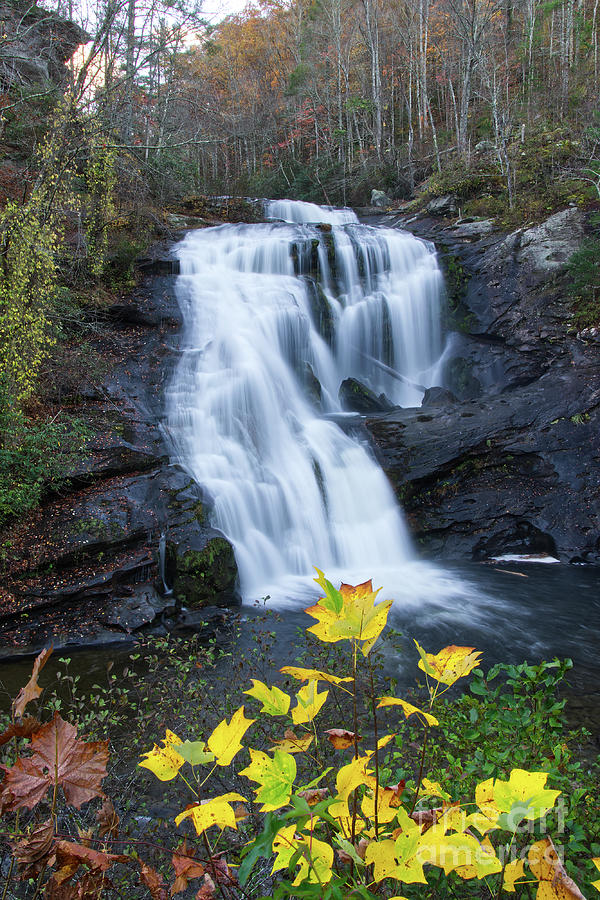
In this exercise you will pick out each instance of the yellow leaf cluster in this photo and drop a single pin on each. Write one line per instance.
(349, 614)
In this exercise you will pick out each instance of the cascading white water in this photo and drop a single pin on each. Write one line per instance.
(275, 317)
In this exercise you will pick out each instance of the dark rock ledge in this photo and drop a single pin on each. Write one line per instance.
(84, 569)
(512, 465)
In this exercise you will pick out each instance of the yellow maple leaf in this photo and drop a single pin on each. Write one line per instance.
(347, 779)
(315, 863)
(524, 796)
(450, 664)
(284, 846)
(216, 811)
(386, 812)
(164, 761)
(408, 709)
(274, 775)
(225, 741)
(313, 675)
(487, 817)
(309, 703)
(433, 789)
(457, 852)
(291, 743)
(512, 871)
(483, 863)
(349, 614)
(596, 861)
(275, 702)
(400, 858)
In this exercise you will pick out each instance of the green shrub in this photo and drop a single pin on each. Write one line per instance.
(35, 457)
(584, 279)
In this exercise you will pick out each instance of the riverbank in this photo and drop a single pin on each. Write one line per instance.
(85, 567)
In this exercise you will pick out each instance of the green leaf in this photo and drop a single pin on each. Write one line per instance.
(260, 847)
(195, 753)
(274, 701)
(275, 775)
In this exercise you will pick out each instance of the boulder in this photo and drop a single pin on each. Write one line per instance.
(443, 206)
(313, 385)
(379, 198)
(547, 248)
(437, 396)
(473, 231)
(204, 569)
(357, 397)
(130, 613)
(37, 44)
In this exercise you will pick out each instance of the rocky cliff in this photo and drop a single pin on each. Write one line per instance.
(127, 545)
(36, 46)
(511, 463)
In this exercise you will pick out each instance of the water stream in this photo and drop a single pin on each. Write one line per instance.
(276, 316)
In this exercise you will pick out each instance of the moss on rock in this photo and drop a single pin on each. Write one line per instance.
(207, 576)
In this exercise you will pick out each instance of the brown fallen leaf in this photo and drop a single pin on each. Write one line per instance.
(32, 852)
(427, 817)
(153, 881)
(108, 820)
(90, 887)
(361, 847)
(545, 864)
(59, 757)
(340, 738)
(31, 691)
(69, 853)
(397, 790)
(208, 889)
(25, 728)
(314, 795)
(186, 867)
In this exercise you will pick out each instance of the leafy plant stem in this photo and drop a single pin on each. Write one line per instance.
(8, 878)
(355, 723)
(421, 767)
(38, 886)
(211, 865)
(376, 736)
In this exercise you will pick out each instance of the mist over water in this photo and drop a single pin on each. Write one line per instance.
(276, 316)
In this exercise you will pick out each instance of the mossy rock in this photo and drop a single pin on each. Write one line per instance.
(322, 313)
(357, 397)
(226, 209)
(207, 576)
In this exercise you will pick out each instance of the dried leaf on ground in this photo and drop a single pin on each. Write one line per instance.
(341, 738)
(23, 729)
(59, 757)
(186, 867)
(153, 881)
(108, 820)
(32, 690)
(32, 851)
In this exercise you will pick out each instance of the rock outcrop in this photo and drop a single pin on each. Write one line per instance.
(514, 464)
(86, 567)
(36, 46)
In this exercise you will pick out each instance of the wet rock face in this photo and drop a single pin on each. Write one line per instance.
(84, 567)
(514, 473)
(357, 397)
(514, 465)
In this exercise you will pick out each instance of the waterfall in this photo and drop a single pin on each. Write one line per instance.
(276, 315)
